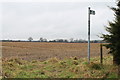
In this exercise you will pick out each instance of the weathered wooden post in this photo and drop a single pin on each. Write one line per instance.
(118, 71)
(101, 54)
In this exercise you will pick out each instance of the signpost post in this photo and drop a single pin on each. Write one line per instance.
(89, 13)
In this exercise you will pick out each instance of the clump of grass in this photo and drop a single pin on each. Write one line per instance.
(75, 62)
(76, 69)
(34, 61)
(75, 58)
(62, 62)
(112, 75)
(45, 62)
(17, 61)
(53, 60)
(85, 63)
(95, 66)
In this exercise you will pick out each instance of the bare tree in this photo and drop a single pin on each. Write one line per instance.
(41, 39)
(30, 39)
(71, 40)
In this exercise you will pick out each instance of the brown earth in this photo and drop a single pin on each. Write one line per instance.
(42, 51)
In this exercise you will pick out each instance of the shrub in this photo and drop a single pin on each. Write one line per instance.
(95, 66)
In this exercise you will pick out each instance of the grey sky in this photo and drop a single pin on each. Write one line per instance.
(54, 20)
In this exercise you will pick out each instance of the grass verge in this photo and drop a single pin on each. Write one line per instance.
(54, 68)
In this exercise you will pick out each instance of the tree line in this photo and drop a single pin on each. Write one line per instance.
(41, 39)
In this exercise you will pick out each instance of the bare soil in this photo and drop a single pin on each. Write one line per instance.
(43, 50)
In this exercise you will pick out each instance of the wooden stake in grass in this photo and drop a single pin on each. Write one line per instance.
(101, 54)
(118, 71)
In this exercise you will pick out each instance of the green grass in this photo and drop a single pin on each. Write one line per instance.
(54, 68)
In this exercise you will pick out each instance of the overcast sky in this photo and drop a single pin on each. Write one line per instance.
(53, 20)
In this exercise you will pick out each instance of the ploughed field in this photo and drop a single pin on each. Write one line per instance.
(43, 50)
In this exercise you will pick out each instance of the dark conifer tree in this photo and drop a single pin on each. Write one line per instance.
(113, 38)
